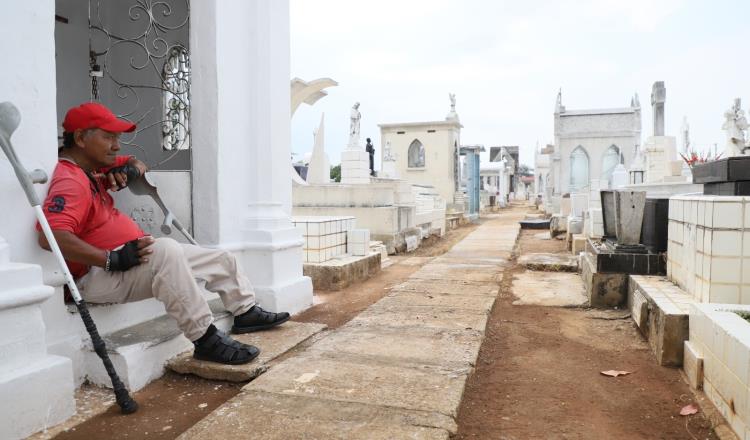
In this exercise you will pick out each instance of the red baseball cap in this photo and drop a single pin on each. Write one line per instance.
(95, 115)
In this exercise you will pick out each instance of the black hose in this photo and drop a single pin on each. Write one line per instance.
(127, 404)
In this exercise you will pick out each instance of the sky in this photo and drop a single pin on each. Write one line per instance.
(506, 60)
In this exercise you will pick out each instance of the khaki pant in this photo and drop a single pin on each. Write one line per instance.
(171, 276)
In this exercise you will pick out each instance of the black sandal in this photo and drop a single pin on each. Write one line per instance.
(257, 319)
(221, 348)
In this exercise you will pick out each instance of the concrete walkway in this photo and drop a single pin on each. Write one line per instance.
(398, 370)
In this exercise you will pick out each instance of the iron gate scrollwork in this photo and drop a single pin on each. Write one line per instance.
(140, 68)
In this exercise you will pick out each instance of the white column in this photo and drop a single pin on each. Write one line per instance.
(241, 120)
(36, 388)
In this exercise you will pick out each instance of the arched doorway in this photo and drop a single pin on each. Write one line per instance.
(579, 169)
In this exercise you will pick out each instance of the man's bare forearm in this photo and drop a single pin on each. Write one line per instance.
(76, 250)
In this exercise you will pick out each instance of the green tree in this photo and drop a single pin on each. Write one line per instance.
(525, 170)
(336, 173)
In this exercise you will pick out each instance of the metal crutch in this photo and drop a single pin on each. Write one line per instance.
(145, 187)
(10, 118)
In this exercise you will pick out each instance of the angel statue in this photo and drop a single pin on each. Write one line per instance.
(354, 126)
(735, 126)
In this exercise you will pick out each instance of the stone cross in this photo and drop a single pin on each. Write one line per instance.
(658, 97)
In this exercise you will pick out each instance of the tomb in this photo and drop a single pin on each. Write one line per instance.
(589, 144)
(427, 153)
(608, 262)
(393, 210)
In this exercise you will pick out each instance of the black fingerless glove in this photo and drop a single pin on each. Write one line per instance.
(125, 258)
(131, 171)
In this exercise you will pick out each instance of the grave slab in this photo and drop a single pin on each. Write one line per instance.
(414, 345)
(435, 317)
(549, 289)
(272, 343)
(549, 262)
(473, 275)
(497, 262)
(478, 252)
(347, 378)
(272, 416)
(399, 298)
(447, 287)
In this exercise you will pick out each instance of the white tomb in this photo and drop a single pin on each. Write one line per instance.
(355, 161)
(427, 153)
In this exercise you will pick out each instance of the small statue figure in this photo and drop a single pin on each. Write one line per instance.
(371, 150)
(388, 155)
(354, 126)
(452, 97)
(735, 126)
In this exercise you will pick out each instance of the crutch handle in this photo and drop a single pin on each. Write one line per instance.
(10, 118)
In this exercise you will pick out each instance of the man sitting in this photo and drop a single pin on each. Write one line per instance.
(114, 261)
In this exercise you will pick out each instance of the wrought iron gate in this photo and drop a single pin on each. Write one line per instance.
(139, 66)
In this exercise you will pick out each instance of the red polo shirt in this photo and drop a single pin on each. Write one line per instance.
(78, 204)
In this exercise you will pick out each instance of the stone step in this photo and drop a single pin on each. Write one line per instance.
(272, 344)
(140, 352)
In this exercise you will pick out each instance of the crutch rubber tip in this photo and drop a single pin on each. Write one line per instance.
(129, 406)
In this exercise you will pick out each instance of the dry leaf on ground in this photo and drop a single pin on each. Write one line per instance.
(615, 373)
(688, 410)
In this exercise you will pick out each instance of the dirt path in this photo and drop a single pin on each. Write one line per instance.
(538, 376)
(174, 403)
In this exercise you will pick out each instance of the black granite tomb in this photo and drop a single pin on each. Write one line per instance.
(606, 258)
(731, 169)
(738, 188)
(655, 225)
(536, 223)
(724, 177)
(646, 258)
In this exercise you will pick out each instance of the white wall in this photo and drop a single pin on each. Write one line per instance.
(27, 79)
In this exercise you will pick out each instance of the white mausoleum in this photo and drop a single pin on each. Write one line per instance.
(427, 153)
(589, 144)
